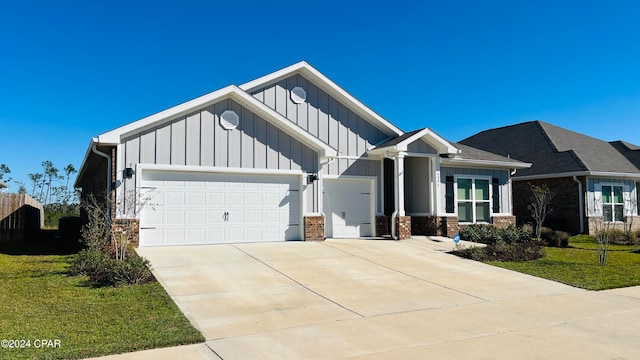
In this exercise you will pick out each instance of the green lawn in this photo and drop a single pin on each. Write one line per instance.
(578, 265)
(39, 300)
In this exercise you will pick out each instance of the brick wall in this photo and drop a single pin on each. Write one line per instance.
(591, 227)
(403, 226)
(314, 228)
(565, 203)
(382, 225)
(424, 225)
(503, 222)
(449, 226)
(131, 227)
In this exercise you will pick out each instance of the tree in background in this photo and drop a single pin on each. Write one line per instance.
(4, 170)
(540, 205)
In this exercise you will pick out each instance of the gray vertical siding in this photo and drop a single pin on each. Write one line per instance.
(420, 146)
(322, 116)
(417, 186)
(501, 175)
(199, 140)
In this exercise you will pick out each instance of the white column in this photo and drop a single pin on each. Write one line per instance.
(399, 188)
(437, 187)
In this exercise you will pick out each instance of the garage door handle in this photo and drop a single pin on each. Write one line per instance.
(344, 215)
(225, 216)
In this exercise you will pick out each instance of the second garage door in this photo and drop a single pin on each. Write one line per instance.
(347, 208)
(209, 208)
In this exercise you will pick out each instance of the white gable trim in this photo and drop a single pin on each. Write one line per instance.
(310, 73)
(233, 92)
(426, 134)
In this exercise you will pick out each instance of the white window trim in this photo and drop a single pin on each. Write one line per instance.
(599, 203)
(473, 208)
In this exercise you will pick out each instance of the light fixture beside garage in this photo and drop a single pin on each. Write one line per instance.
(229, 120)
(298, 95)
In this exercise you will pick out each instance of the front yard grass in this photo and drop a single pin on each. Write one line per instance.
(39, 300)
(578, 265)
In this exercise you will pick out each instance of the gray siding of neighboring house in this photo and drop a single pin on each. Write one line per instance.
(628, 185)
(198, 139)
(501, 175)
(322, 116)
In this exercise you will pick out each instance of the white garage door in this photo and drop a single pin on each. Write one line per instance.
(205, 208)
(347, 207)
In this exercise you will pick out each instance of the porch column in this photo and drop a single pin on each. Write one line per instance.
(399, 188)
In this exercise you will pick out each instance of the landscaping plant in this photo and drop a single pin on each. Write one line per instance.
(540, 205)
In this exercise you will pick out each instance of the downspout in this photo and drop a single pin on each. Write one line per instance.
(94, 148)
(580, 203)
(395, 211)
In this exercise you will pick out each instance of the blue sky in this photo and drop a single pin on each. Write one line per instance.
(70, 70)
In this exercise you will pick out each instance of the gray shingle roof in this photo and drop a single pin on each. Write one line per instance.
(630, 151)
(552, 149)
(399, 139)
(472, 153)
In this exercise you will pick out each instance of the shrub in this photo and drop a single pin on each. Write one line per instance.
(103, 270)
(546, 234)
(489, 234)
(561, 239)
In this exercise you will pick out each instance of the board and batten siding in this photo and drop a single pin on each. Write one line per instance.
(322, 116)
(198, 139)
(501, 175)
(420, 146)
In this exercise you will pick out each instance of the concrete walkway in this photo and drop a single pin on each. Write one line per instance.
(378, 299)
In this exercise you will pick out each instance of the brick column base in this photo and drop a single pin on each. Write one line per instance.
(403, 226)
(314, 228)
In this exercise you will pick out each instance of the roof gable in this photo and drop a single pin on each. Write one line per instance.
(318, 79)
(232, 92)
(402, 142)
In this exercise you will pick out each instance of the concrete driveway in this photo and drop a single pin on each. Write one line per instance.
(384, 299)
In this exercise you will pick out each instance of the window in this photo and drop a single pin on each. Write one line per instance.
(612, 203)
(474, 204)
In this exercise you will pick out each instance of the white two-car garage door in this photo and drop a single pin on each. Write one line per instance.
(208, 208)
(348, 208)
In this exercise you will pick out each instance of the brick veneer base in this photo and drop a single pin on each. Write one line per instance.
(403, 226)
(449, 226)
(382, 225)
(132, 226)
(503, 222)
(424, 225)
(314, 228)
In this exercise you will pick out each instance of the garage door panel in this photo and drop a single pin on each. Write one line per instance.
(207, 208)
(347, 206)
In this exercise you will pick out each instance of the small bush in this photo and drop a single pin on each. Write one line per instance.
(489, 234)
(560, 239)
(546, 234)
(103, 270)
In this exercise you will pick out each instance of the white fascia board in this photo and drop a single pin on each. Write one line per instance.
(484, 163)
(433, 139)
(115, 136)
(609, 175)
(327, 85)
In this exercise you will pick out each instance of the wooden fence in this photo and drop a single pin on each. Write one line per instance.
(21, 216)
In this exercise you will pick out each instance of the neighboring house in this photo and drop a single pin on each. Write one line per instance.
(291, 156)
(592, 179)
(3, 185)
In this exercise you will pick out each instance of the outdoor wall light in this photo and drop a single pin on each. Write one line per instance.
(128, 173)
